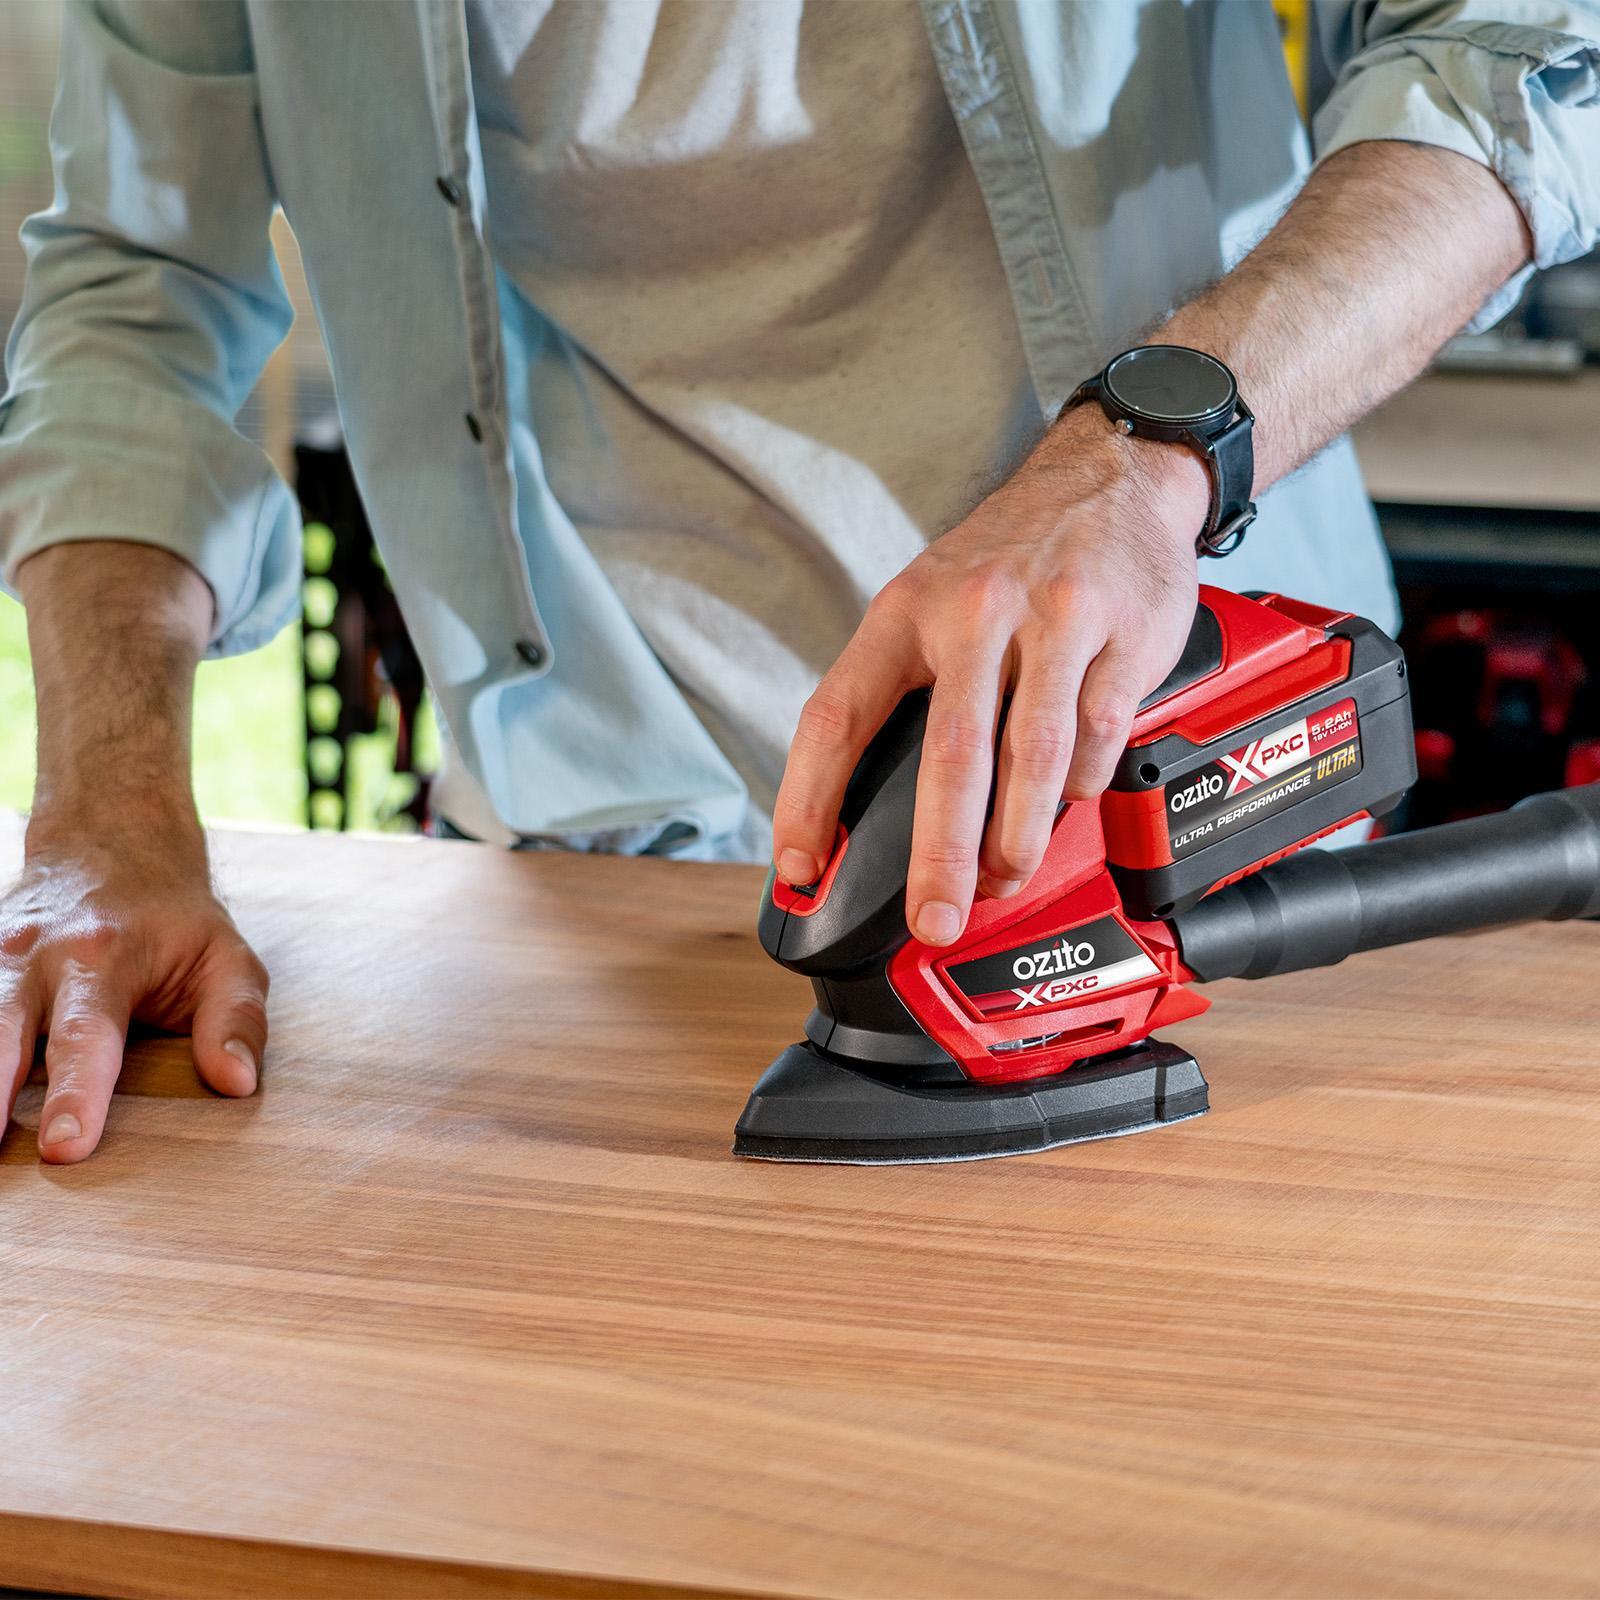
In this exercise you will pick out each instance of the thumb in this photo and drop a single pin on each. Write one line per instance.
(230, 1020)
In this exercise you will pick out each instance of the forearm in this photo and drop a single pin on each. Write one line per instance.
(1388, 250)
(115, 632)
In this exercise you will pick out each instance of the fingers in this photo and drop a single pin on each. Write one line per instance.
(19, 1028)
(83, 1056)
(838, 722)
(953, 783)
(230, 1021)
(1109, 700)
(1036, 747)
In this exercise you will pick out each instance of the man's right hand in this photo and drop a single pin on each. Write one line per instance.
(103, 929)
(113, 918)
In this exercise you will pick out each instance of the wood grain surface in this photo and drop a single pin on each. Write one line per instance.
(1480, 439)
(472, 1299)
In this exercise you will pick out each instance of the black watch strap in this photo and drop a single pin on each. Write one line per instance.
(1229, 456)
(1230, 459)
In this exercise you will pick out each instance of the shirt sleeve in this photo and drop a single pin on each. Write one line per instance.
(151, 305)
(1514, 84)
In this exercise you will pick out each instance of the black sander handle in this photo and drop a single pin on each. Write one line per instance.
(1539, 861)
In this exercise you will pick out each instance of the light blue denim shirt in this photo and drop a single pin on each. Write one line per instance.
(1128, 154)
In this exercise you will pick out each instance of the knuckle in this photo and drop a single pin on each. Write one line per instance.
(93, 942)
(984, 591)
(1059, 595)
(1039, 767)
(18, 939)
(947, 857)
(1039, 747)
(798, 818)
(827, 719)
(68, 1081)
(248, 1006)
(87, 941)
(1105, 716)
(79, 1030)
(901, 594)
(958, 743)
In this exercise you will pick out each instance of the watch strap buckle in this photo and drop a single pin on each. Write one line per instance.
(1228, 535)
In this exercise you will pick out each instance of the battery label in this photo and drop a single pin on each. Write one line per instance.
(1264, 777)
(1070, 966)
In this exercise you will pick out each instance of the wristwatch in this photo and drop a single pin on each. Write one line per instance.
(1183, 396)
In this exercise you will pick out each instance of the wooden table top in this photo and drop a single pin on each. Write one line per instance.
(472, 1299)
(1487, 439)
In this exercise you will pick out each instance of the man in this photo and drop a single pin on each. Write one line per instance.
(667, 337)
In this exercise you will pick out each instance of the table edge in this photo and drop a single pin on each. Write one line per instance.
(127, 1562)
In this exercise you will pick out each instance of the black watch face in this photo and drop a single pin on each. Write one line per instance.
(1170, 384)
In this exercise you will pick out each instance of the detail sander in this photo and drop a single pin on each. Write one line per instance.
(1281, 723)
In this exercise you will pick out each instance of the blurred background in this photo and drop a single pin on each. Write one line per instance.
(1486, 473)
(328, 726)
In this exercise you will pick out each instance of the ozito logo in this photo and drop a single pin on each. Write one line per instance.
(1063, 957)
(1072, 965)
(1203, 788)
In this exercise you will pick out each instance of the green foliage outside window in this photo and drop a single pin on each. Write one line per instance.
(248, 734)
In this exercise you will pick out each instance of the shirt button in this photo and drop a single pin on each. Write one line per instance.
(530, 652)
(474, 427)
(450, 189)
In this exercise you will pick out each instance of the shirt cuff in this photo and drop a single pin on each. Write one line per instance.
(1523, 101)
(107, 459)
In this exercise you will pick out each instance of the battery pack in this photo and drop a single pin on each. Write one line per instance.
(1272, 762)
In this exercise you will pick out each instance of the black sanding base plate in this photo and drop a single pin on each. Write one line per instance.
(811, 1105)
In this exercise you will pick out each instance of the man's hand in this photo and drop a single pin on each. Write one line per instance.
(104, 928)
(1073, 586)
(1072, 589)
(113, 917)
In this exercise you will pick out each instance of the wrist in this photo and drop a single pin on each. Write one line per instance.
(115, 631)
(1168, 481)
(118, 822)
(119, 773)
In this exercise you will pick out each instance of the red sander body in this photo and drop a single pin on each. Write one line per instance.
(1281, 723)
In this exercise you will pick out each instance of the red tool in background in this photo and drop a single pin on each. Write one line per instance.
(1504, 707)
(1281, 723)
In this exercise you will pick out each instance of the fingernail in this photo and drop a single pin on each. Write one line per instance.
(999, 888)
(938, 922)
(795, 866)
(240, 1051)
(62, 1129)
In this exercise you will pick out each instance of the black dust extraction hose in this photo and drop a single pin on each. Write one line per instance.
(1539, 861)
